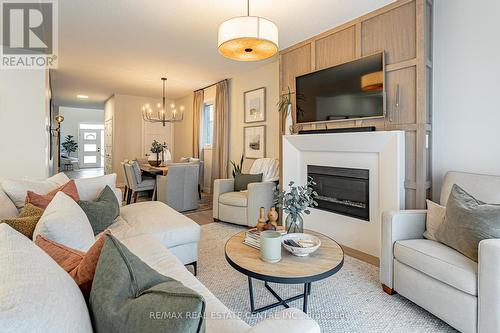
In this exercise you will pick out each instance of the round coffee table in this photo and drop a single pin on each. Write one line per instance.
(325, 262)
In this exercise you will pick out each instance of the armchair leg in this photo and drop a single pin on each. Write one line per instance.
(388, 290)
(216, 220)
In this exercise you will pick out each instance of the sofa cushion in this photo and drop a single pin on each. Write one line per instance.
(36, 294)
(164, 262)
(126, 291)
(26, 222)
(239, 199)
(467, 222)
(170, 227)
(65, 222)
(7, 207)
(90, 188)
(440, 262)
(43, 200)
(17, 189)
(103, 211)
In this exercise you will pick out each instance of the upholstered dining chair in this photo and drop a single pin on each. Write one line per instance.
(178, 189)
(137, 183)
(243, 207)
(125, 178)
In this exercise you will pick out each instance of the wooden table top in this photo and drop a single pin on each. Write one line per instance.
(326, 261)
(154, 170)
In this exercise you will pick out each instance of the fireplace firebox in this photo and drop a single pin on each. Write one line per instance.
(342, 190)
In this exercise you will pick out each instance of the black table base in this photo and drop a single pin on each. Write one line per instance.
(281, 302)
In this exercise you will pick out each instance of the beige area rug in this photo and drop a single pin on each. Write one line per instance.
(349, 301)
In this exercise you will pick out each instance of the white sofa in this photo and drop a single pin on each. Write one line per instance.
(163, 238)
(463, 293)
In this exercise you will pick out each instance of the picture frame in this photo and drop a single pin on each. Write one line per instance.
(254, 105)
(254, 141)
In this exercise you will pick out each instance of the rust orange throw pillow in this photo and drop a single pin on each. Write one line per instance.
(43, 200)
(80, 265)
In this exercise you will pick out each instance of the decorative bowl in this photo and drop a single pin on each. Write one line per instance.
(310, 242)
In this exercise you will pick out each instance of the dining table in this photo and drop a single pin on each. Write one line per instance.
(154, 171)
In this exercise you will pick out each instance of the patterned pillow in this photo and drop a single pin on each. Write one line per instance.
(26, 222)
(80, 265)
(43, 200)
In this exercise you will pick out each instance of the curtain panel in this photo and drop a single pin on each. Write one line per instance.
(197, 111)
(220, 146)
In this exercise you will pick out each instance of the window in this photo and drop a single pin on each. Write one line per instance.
(207, 122)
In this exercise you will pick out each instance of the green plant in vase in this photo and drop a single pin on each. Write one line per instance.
(157, 148)
(69, 145)
(237, 167)
(295, 201)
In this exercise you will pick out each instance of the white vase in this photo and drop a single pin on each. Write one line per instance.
(289, 121)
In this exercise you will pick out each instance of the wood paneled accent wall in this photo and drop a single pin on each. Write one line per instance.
(403, 30)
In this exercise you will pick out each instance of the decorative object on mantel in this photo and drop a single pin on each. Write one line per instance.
(273, 217)
(248, 38)
(254, 105)
(162, 115)
(255, 141)
(294, 202)
(300, 244)
(285, 108)
(157, 148)
(262, 220)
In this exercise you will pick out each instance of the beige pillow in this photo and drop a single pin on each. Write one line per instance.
(435, 216)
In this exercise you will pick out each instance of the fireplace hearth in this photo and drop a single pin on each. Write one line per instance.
(342, 190)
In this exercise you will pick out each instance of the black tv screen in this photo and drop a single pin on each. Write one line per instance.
(348, 91)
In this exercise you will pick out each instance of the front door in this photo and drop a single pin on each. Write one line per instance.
(90, 148)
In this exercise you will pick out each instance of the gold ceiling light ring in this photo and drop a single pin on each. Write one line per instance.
(248, 38)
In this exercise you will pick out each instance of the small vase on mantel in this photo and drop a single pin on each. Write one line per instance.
(289, 121)
(294, 223)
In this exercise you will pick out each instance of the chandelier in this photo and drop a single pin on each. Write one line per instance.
(248, 38)
(162, 114)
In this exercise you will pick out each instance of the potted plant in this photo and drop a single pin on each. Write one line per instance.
(295, 202)
(237, 167)
(285, 108)
(69, 145)
(157, 148)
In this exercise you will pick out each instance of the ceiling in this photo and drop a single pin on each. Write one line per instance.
(125, 46)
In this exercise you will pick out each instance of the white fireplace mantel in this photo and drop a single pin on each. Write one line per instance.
(381, 152)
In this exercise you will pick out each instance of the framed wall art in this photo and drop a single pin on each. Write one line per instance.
(255, 105)
(254, 139)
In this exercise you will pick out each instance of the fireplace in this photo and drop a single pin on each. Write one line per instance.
(342, 190)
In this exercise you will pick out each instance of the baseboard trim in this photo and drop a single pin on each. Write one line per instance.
(368, 258)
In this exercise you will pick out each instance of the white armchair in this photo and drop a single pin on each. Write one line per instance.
(243, 207)
(463, 293)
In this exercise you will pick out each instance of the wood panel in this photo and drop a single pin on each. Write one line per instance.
(410, 153)
(393, 32)
(336, 48)
(294, 63)
(403, 112)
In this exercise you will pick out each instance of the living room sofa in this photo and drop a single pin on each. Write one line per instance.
(463, 293)
(163, 238)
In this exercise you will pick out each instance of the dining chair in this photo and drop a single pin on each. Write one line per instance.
(136, 182)
(127, 182)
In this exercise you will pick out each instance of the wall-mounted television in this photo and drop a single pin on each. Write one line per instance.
(353, 90)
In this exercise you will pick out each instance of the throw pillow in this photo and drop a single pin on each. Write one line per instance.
(43, 200)
(90, 188)
(467, 222)
(435, 216)
(103, 211)
(36, 294)
(17, 189)
(65, 222)
(80, 266)
(242, 180)
(7, 207)
(126, 291)
(26, 222)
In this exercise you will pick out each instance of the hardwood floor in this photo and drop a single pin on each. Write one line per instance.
(85, 173)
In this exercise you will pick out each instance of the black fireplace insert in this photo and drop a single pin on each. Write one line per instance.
(342, 190)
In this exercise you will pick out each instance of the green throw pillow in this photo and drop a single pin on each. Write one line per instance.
(467, 222)
(129, 296)
(103, 211)
(242, 180)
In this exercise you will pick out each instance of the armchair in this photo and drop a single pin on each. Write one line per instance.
(243, 207)
(463, 293)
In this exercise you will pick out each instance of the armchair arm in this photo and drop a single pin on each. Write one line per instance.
(259, 195)
(398, 225)
(220, 186)
(289, 320)
(489, 286)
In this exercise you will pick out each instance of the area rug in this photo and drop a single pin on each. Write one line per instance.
(349, 301)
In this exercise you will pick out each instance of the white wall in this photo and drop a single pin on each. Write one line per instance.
(73, 117)
(466, 90)
(24, 140)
